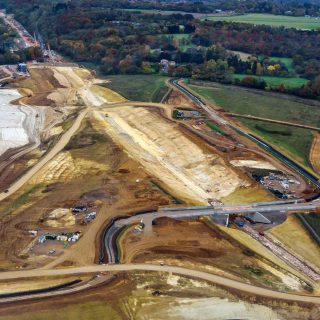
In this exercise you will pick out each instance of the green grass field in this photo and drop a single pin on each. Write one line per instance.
(295, 141)
(183, 40)
(149, 88)
(272, 20)
(276, 81)
(178, 36)
(215, 128)
(288, 62)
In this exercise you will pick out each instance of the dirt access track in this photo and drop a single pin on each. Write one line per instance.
(176, 270)
(187, 168)
(63, 87)
(184, 164)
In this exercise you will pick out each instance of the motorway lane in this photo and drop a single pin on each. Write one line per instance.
(89, 269)
(228, 283)
(214, 116)
(109, 242)
(110, 234)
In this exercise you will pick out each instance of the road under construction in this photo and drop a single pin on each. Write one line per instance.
(176, 213)
(109, 250)
(94, 269)
(178, 84)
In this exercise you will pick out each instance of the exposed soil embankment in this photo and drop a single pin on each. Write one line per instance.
(186, 169)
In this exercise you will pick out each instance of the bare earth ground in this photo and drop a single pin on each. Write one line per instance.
(158, 297)
(115, 164)
(166, 153)
(199, 246)
(87, 171)
(178, 99)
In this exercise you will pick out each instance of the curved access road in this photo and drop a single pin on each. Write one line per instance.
(50, 155)
(270, 150)
(157, 268)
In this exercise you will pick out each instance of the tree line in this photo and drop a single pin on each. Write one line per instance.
(279, 7)
(119, 41)
(7, 44)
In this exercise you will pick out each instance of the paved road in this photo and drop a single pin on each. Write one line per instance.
(243, 209)
(212, 113)
(94, 268)
(284, 159)
(190, 212)
(113, 229)
(59, 146)
(214, 116)
(150, 267)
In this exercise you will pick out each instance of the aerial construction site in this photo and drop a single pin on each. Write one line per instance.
(139, 203)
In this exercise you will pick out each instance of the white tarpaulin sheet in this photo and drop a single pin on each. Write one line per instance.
(12, 133)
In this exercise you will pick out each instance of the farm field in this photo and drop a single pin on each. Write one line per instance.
(178, 36)
(164, 12)
(276, 81)
(272, 20)
(150, 88)
(182, 40)
(287, 61)
(295, 141)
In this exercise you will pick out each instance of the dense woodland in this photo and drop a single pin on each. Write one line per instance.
(7, 43)
(128, 42)
(292, 7)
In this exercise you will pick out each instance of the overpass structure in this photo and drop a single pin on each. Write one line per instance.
(113, 230)
(235, 209)
(111, 233)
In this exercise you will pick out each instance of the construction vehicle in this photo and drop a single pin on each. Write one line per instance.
(140, 226)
